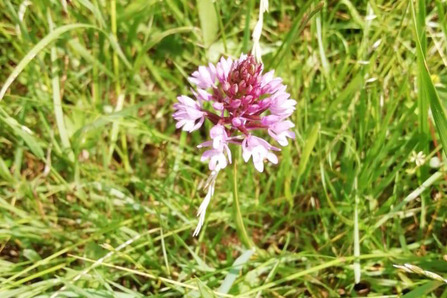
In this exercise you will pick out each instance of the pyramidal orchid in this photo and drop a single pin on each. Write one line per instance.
(241, 101)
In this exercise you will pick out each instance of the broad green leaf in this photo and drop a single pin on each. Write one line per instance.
(208, 21)
(31, 255)
(234, 271)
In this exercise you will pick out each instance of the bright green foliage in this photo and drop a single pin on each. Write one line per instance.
(99, 191)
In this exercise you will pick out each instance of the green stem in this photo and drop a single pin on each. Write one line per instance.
(240, 228)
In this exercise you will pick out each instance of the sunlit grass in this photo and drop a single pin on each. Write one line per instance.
(99, 191)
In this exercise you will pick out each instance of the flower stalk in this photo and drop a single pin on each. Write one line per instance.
(237, 214)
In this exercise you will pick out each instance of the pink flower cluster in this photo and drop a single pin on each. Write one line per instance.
(244, 100)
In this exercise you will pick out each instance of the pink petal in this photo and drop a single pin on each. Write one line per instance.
(266, 78)
(272, 158)
(205, 144)
(259, 166)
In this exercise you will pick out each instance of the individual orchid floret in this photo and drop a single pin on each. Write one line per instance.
(259, 150)
(217, 159)
(204, 77)
(219, 144)
(281, 104)
(188, 114)
(219, 136)
(278, 129)
(202, 95)
(240, 101)
(223, 69)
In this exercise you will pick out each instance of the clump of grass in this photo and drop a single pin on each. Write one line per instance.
(98, 190)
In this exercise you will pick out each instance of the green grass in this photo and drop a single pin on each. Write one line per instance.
(99, 191)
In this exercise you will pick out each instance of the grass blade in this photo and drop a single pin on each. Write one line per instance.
(298, 26)
(35, 50)
(57, 102)
(428, 87)
(357, 268)
(23, 133)
(423, 290)
(308, 147)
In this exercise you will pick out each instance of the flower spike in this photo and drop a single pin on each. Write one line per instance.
(239, 99)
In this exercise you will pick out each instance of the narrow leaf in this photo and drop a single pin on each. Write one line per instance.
(423, 290)
(428, 87)
(4, 171)
(205, 292)
(308, 147)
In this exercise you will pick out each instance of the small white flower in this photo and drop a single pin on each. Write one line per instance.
(417, 158)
